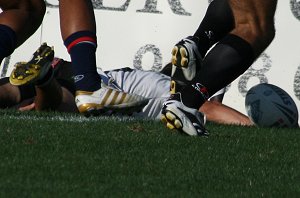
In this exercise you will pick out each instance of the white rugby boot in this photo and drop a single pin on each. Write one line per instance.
(178, 116)
(108, 100)
(186, 62)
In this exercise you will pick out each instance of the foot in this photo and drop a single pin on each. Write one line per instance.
(108, 101)
(35, 69)
(178, 116)
(186, 61)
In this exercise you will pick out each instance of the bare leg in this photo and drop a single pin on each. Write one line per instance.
(254, 22)
(252, 33)
(78, 30)
(76, 15)
(233, 55)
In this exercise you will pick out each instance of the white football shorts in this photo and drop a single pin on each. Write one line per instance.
(152, 85)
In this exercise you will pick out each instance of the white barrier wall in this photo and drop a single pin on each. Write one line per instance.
(141, 34)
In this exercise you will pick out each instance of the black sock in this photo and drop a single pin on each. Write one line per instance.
(217, 22)
(82, 48)
(8, 41)
(224, 63)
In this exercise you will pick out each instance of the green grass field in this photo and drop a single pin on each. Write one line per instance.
(66, 155)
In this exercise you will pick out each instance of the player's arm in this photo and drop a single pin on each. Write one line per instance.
(9, 94)
(222, 114)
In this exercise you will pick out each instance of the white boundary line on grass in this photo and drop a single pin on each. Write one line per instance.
(70, 118)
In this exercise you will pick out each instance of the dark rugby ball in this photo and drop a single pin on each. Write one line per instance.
(268, 105)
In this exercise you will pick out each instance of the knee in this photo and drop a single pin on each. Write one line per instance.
(36, 10)
(39, 6)
(265, 33)
(258, 34)
(33, 9)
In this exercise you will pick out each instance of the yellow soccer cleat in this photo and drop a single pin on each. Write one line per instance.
(35, 69)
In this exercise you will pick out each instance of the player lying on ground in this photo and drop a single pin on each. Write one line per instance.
(56, 91)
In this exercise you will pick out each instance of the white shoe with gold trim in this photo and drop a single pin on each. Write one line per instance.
(108, 100)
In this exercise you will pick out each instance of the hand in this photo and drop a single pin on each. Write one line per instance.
(28, 107)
